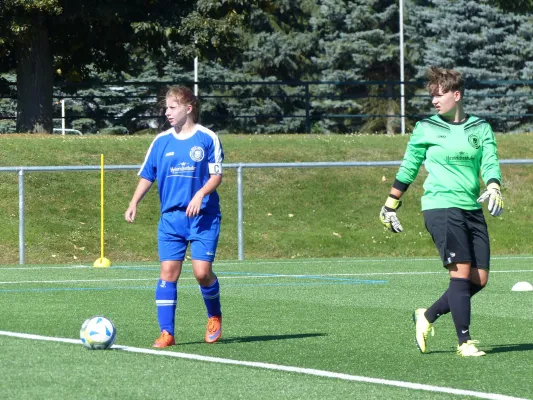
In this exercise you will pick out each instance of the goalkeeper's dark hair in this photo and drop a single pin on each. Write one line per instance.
(449, 80)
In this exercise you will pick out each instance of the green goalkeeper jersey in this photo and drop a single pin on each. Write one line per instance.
(454, 155)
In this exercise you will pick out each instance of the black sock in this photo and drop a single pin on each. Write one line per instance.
(441, 306)
(459, 300)
(475, 288)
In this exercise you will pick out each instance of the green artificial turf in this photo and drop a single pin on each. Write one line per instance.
(349, 315)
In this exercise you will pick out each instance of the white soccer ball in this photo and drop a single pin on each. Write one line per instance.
(98, 333)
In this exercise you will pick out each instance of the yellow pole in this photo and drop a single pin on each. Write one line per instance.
(102, 262)
(101, 206)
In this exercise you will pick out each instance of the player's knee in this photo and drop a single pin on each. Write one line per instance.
(483, 280)
(204, 278)
(168, 276)
(170, 271)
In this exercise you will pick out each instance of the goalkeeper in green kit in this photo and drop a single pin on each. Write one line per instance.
(456, 149)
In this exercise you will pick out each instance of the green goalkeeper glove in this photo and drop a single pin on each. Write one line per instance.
(388, 215)
(494, 195)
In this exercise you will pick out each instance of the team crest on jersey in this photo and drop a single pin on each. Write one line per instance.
(197, 153)
(474, 141)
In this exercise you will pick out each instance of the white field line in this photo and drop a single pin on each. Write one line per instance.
(414, 273)
(284, 368)
(223, 278)
(281, 262)
(16, 268)
(381, 273)
(356, 260)
(154, 279)
(353, 260)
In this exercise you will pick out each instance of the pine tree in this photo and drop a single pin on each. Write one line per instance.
(490, 47)
(277, 45)
(359, 42)
(518, 6)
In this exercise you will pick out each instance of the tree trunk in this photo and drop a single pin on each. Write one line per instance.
(34, 79)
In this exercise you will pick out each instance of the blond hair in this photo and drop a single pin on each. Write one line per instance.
(445, 79)
(184, 95)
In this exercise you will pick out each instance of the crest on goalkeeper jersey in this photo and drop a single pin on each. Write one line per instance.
(474, 141)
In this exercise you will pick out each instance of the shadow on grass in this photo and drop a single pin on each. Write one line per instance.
(262, 338)
(510, 347)
(504, 348)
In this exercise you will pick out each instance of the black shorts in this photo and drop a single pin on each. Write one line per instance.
(460, 235)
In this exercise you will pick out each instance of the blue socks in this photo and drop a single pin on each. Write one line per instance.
(211, 295)
(166, 299)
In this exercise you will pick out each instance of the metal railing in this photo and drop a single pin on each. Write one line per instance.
(134, 104)
(20, 171)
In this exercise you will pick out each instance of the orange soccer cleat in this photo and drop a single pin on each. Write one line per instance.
(214, 329)
(165, 340)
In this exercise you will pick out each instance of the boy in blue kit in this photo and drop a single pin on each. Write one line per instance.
(186, 160)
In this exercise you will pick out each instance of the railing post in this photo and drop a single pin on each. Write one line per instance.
(63, 117)
(21, 216)
(240, 214)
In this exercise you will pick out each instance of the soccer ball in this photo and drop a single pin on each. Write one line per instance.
(98, 333)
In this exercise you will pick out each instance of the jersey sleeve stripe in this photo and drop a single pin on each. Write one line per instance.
(433, 122)
(476, 123)
(216, 143)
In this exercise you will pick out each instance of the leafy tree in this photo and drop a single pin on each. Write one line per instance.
(273, 42)
(61, 39)
(332, 40)
(71, 40)
(54, 43)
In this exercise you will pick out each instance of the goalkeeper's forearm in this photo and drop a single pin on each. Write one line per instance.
(395, 193)
(398, 189)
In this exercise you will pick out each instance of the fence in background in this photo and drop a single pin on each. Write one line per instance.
(297, 106)
(21, 171)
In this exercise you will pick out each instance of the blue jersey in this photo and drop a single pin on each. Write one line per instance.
(182, 164)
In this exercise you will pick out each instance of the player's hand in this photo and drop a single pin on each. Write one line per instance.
(195, 205)
(495, 197)
(130, 213)
(388, 215)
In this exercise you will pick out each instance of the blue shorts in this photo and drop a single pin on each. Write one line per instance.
(176, 231)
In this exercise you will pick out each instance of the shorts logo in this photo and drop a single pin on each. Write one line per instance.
(450, 258)
(474, 141)
(197, 154)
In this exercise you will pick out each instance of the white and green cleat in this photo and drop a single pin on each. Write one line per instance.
(469, 349)
(422, 329)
